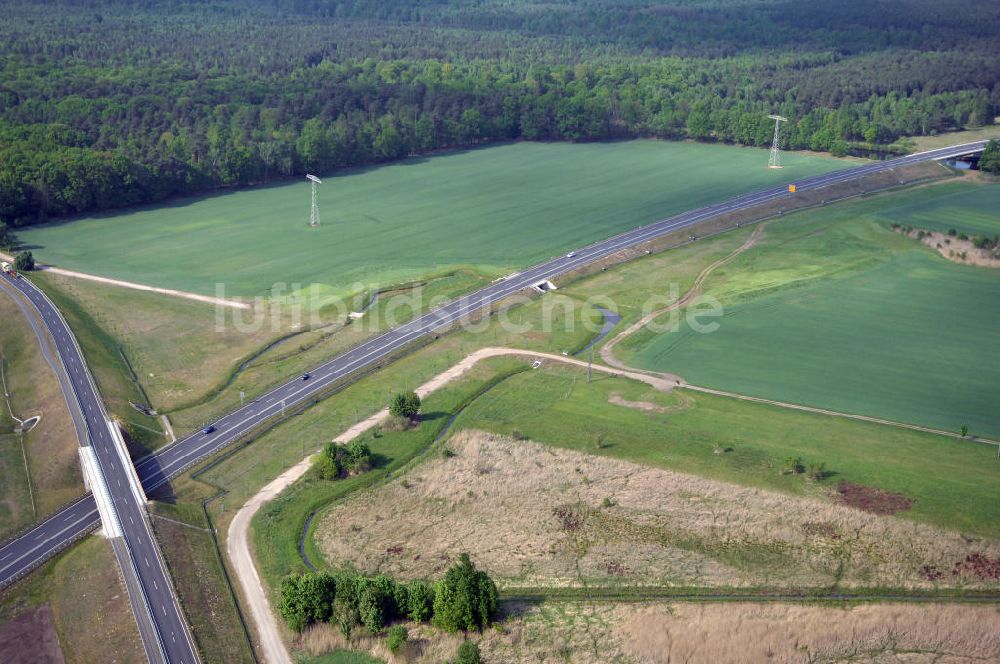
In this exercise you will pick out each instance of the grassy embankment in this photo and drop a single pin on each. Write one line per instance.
(494, 209)
(39, 470)
(111, 371)
(339, 657)
(192, 366)
(834, 310)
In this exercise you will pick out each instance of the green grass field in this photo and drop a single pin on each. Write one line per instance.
(834, 310)
(967, 207)
(953, 483)
(494, 208)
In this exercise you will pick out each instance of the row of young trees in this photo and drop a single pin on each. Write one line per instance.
(465, 599)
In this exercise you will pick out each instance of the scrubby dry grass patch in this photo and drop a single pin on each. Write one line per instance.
(724, 633)
(47, 457)
(89, 605)
(729, 633)
(538, 516)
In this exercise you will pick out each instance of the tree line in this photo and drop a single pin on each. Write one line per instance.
(113, 104)
(465, 599)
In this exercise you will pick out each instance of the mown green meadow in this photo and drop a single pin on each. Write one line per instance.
(834, 310)
(494, 209)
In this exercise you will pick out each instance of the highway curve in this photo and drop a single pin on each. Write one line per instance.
(38, 544)
(162, 626)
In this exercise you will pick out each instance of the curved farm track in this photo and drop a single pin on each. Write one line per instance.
(270, 632)
(607, 351)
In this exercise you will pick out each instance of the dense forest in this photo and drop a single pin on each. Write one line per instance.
(109, 103)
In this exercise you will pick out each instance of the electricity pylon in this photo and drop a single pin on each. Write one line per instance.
(314, 212)
(775, 160)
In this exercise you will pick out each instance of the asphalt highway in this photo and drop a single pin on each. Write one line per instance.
(161, 623)
(38, 544)
(155, 470)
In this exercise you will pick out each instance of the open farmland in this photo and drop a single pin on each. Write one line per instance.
(833, 310)
(494, 209)
(967, 207)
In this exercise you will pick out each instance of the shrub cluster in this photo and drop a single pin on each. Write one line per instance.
(342, 460)
(24, 261)
(795, 466)
(349, 599)
(990, 159)
(465, 599)
(405, 405)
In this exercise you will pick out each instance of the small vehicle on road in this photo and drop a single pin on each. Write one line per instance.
(306, 376)
(209, 429)
(571, 254)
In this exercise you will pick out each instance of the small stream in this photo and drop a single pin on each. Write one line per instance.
(610, 320)
(302, 544)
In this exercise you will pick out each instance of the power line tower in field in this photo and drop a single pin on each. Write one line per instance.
(775, 160)
(314, 212)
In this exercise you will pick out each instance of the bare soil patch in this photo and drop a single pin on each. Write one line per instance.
(538, 516)
(871, 499)
(648, 406)
(31, 639)
(83, 594)
(978, 566)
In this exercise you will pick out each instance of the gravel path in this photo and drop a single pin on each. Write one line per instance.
(268, 629)
(134, 286)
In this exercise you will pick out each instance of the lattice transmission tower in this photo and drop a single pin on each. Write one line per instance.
(314, 212)
(775, 160)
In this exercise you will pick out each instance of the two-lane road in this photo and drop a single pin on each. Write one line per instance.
(22, 554)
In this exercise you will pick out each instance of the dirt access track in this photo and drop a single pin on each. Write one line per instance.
(235, 304)
(238, 546)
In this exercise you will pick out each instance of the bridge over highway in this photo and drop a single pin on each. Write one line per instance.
(19, 556)
(116, 495)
